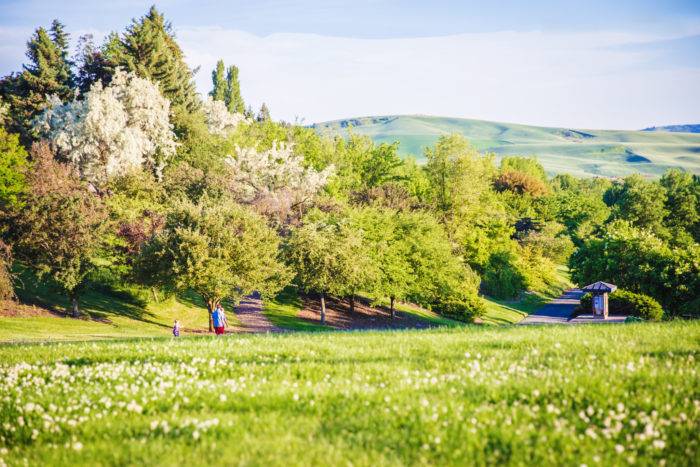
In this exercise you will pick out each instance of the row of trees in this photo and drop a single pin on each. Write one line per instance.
(114, 171)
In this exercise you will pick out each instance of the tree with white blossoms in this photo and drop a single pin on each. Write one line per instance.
(219, 119)
(113, 129)
(275, 181)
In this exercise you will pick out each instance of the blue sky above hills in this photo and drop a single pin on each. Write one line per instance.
(596, 64)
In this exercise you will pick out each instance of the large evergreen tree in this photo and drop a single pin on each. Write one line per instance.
(234, 100)
(47, 73)
(149, 49)
(219, 83)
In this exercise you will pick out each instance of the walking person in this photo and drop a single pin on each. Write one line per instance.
(176, 329)
(219, 320)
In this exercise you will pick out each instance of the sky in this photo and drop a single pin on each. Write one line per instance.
(594, 64)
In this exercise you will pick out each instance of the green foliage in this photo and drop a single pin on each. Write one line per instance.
(328, 257)
(148, 48)
(526, 165)
(639, 261)
(60, 226)
(232, 94)
(622, 302)
(638, 201)
(502, 278)
(13, 166)
(218, 250)
(465, 309)
(219, 85)
(47, 73)
(682, 202)
(264, 114)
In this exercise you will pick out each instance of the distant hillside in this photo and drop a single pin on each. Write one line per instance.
(676, 128)
(606, 153)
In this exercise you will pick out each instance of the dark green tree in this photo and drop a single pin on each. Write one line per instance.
(47, 73)
(149, 49)
(93, 63)
(682, 202)
(638, 201)
(233, 98)
(219, 83)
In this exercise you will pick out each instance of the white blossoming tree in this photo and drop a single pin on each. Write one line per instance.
(219, 119)
(275, 181)
(113, 129)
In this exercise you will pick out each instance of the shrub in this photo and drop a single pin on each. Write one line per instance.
(622, 302)
(464, 309)
(502, 277)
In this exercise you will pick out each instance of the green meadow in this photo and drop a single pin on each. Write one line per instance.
(608, 153)
(586, 395)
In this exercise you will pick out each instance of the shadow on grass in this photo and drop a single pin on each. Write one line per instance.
(99, 302)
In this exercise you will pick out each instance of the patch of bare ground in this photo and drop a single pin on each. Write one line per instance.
(365, 316)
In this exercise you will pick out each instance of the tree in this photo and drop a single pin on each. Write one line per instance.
(219, 83)
(264, 114)
(638, 201)
(47, 73)
(682, 201)
(385, 235)
(149, 49)
(381, 166)
(114, 129)
(232, 95)
(59, 229)
(218, 250)
(13, 165)
(93, 63)
(219, 120)
(275, 181)
(322, 253)
(521, 183)
(527, 165)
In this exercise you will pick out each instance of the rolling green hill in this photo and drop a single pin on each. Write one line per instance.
(608, 153)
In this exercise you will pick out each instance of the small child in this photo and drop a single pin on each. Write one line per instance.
(176, 329)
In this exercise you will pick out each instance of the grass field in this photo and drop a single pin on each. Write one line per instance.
(574, 395)
(561, 150)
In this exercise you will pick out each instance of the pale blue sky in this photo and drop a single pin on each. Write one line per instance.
(594, 64)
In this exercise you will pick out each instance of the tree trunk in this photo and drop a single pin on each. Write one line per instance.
(323, 308)
(75, 308)
(352, 303)
(155, 295)
(391, 307)
(210, 308)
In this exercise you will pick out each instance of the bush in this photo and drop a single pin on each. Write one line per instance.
(464, 309)
(502, 277)
(622, 302)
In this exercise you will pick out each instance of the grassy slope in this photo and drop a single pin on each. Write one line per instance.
(460, 396)
(582, 153)
(109, 315)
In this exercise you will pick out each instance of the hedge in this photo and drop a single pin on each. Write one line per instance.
(622, 302)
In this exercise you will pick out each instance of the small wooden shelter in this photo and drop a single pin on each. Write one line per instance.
(600, 290)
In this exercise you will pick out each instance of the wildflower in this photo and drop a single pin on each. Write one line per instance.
(659, 444)
(619, 448)
(77, 446)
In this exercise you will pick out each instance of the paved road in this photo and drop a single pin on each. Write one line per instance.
(558, 311)
(249, 313)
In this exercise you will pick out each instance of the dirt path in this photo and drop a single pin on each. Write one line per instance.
(251, 318)
(558, 311)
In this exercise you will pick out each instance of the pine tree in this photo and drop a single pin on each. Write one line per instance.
(47, 73)
(234, 100)
(220, 85)
(264, 114)
(149, 49)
